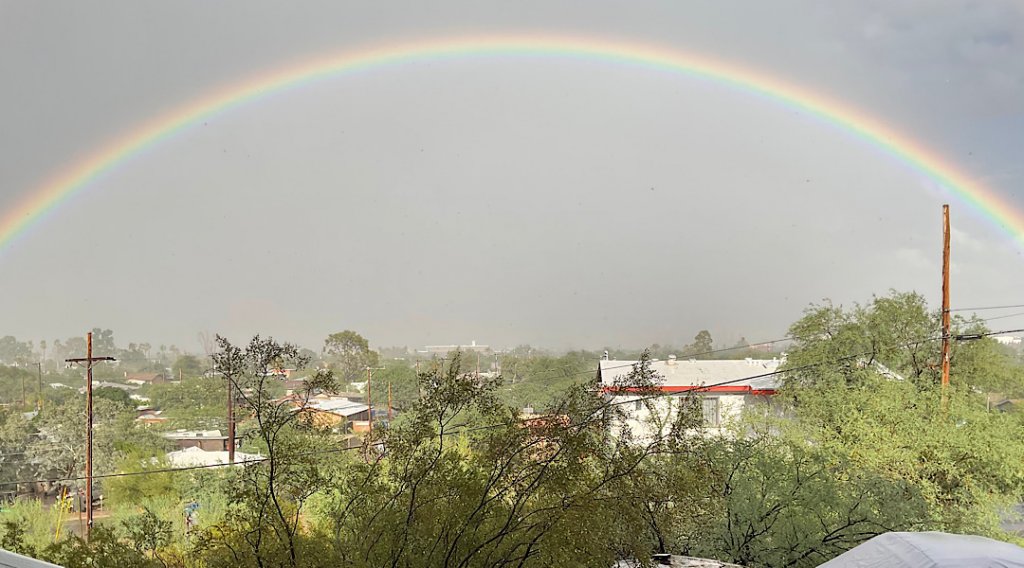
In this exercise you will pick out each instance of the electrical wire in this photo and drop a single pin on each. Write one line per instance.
(983, 308)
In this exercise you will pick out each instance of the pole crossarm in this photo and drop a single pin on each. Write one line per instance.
(89, 360)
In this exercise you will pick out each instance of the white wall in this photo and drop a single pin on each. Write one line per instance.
(655, 415)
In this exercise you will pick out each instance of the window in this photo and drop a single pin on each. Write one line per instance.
(709, 408)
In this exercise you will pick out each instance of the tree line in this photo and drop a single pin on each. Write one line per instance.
(860, 440)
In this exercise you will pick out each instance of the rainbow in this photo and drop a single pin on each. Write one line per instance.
(42, 201)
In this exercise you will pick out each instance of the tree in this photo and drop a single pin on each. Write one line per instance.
(103, 341)
(270, 495)
(781, 502)
(59, 450)
(401, 377)
(115, 395)
(188, 366)
(191, 400)
(464, 482)
(349, 354)
(702, 344)
(864, 389)
(14, 352)
(16, 382)
(15, 434)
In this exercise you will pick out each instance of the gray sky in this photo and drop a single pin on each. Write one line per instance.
(507, 200)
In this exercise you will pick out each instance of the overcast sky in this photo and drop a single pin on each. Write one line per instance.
(507, 200)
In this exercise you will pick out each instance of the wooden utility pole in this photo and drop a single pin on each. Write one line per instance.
(945, 297)
(88, 360)
(369, 400)
(369, 393)
(231, 420)
(389, 403)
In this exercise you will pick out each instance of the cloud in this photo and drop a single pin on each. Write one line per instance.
(972, 49)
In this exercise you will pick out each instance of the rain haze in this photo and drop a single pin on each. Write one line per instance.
(511, 199)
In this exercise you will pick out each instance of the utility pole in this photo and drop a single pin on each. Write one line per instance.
(231, 420)
(39, 401)
(389, 403)
(945, 298)
(369, 392)
(88, 360)
(369, 401)
(419, 391)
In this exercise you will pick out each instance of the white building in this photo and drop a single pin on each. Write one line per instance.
(193, 456)
(725, 388)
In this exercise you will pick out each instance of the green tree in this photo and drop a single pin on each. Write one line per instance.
(14, 352)
(464, 482)
(115, 395)
(702, 344)
(401, 377)
(59, 450)
(15, 434)
(270, 496)
(349, 355)
(188, 366)
(16, 382)
(864, 390)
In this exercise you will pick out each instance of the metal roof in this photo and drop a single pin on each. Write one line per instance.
(339, 406)
(696, 372)
(12, 560)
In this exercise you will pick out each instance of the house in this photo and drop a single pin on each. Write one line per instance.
(193, 456)
(292, 386)
(208, 440)
(145, 378)
(330, 412)
(724, 386)
(148, 415)
(107, 384)
(443, 350)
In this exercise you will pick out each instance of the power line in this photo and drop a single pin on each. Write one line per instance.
(787, 338)
(1013, 315)
(983, 308)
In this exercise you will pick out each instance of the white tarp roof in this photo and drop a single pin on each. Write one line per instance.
(930, 550)
(11, 560)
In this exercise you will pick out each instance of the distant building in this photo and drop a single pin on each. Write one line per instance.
(148, 415)
(725, 387)
(1006, 340)
(332, 412)
(443, 350)
(191, 457)
(145, 378)
(120, 386)
(208, 440)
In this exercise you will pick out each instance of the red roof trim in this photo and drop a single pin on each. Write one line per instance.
(739, 389)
